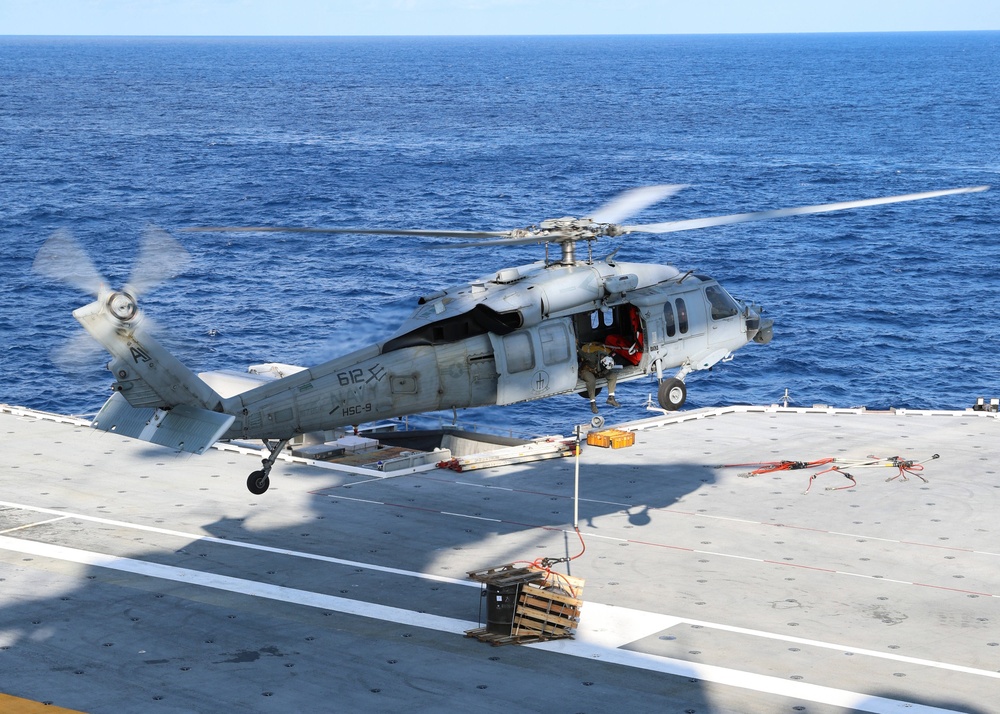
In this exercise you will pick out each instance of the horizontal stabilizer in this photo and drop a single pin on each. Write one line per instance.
(183, 427)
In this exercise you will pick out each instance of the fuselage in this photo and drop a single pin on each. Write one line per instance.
(511, 337)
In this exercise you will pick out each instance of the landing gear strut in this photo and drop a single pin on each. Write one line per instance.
(258, 481)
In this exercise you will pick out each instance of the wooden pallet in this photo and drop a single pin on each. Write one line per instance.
(545, 614)
(548, 604)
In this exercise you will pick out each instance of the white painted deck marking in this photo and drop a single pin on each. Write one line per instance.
(593, 642)
(197, 537)
(619, 636)
(665, 510)
(699, 551)
(454, 581)
(240, 586)
(852, 701)
(844, 648)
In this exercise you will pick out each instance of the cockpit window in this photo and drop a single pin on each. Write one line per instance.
(723, 305)
(682, 315)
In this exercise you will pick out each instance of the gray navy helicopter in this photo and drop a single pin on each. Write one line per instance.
(511, 336)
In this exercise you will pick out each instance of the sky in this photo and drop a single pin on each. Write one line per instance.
(488, 17)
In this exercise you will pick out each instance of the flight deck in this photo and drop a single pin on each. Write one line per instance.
(137, 579)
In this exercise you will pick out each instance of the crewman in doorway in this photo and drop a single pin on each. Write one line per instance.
(596, 363)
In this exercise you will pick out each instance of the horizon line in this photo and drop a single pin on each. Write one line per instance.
(539, 34)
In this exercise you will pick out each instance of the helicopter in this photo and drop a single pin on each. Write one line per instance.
(514, 335)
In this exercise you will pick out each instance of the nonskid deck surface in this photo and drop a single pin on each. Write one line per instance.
(136, 579)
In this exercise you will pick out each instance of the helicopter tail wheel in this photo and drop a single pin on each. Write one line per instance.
(258, 482)
(672, 394)
(597, 422)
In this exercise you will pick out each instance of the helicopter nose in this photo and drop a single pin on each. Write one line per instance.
(759, 329)
(765, 332)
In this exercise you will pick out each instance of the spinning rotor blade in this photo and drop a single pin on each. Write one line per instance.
(632, 201)
(693, 223)
(101, 323)
(160, 258)
(618, 208)
(602, 222)
(520, 239)
(76, 354)
(429, 233)
(62, 258)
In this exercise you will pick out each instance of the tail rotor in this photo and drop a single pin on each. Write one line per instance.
(63, 259)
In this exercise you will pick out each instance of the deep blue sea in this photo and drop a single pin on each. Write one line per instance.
(892, 306)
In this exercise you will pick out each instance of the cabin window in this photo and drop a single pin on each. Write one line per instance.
(723, 305)
(609, 317)
(520, 354)
(668, 317)
(555, 344)
(682, 316)
(478, 321)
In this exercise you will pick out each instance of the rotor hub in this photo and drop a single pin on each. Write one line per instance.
(123, 306)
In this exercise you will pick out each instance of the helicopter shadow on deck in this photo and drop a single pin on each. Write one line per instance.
(450, 523)
(621, 491)
(196, 644)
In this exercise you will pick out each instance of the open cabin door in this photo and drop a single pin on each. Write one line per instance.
(535, 362)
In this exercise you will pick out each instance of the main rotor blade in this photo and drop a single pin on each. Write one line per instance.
(160, 258)
(632, 201)
(430, 233)
(519, 240)
(693, 223)
(62, 258)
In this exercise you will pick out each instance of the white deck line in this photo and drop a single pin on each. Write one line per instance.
(197, 537)
(593, 642)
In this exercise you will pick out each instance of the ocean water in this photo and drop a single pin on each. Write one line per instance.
(891, 306)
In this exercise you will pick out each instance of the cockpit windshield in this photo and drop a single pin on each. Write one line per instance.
(723, 305)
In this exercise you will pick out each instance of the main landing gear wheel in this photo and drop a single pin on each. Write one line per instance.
(597, 422)
(258, 482)
(672, 394)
